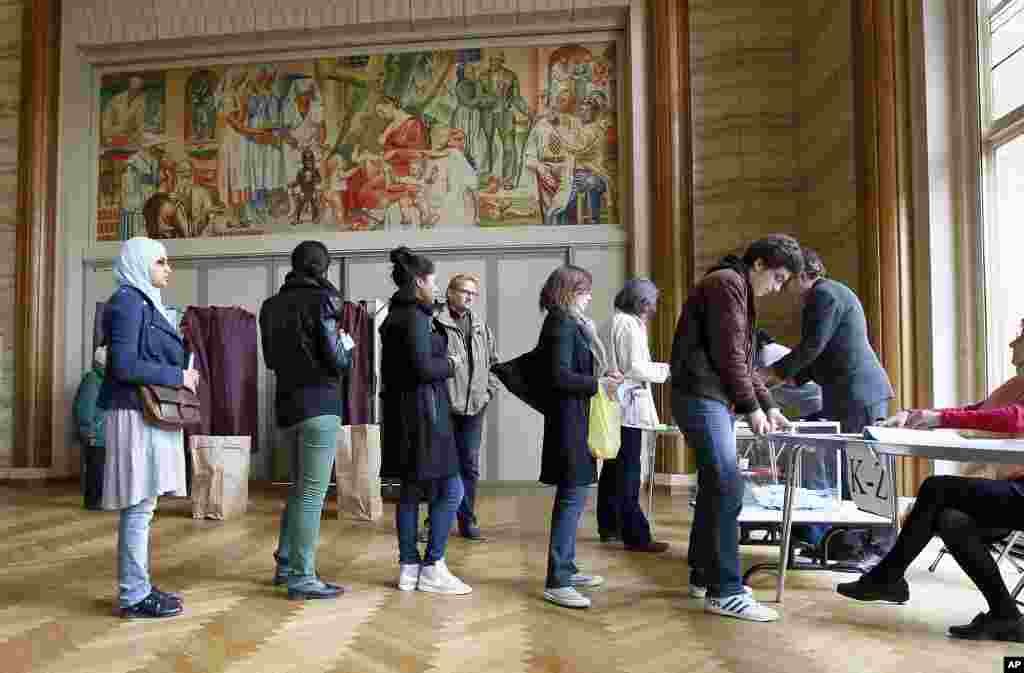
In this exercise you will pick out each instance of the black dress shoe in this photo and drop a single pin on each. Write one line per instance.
(610, 537)
(986, 627)
(314, 591)
(865, 589)
(651, 547)
(172, 595)
(154, 606)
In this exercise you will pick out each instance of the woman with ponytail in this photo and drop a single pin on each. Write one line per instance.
(417, 441)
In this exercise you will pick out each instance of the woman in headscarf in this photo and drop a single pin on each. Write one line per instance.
(143, 462)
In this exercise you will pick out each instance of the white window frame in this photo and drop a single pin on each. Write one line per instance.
(994, 134)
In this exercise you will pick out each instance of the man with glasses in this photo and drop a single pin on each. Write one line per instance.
(471, 343)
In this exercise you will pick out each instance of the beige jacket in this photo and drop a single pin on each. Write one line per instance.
(473, 384)
(625, 339)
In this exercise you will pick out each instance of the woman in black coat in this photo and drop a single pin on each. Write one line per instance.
(416, 431)
(569, 358)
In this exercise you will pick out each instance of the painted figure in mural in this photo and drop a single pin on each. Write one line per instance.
(161, 216)
(263, 161)
(466, 115)
(307, 188)
(196, 205)
(124, 119)
(403, 140)
(456, 195)
(590, 179)
(549, 165)
(500, 100)
(203, 110)
(142, 177)
(232, 95)
(304, 119)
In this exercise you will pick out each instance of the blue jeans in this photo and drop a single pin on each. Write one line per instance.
(618, 493)
(468, 431)
(444, 495)
(313, 445)
(133, 552)
(565, 519)
(714, 554)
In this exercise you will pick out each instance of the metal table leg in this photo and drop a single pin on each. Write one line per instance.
(650, 478)
(792, 483)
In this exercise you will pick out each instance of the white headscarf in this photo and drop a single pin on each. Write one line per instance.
(133, 267)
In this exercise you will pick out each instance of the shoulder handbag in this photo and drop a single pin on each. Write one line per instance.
(169, 407)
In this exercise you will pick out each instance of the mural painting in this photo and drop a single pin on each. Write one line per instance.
(415, 140)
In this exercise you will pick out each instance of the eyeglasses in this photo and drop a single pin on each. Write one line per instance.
(468, 293)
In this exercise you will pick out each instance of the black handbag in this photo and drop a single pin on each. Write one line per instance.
(519, 376)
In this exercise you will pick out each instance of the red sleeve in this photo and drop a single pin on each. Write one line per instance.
(1008, 419)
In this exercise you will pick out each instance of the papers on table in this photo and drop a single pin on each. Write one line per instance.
(934, 438)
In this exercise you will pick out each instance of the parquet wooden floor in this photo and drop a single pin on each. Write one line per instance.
(57, 582)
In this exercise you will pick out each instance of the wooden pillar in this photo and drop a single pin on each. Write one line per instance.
(671, 229)
(35, 274)
(882, 79)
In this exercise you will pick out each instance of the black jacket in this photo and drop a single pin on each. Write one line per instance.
(301, 345)
(566, 369)
(835, 352)
(713, 348)
(417, 443)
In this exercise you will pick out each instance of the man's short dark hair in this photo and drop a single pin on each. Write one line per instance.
(777, 251)
(813, 266)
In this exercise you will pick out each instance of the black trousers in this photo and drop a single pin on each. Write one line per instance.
(618, 493)
(963, 512)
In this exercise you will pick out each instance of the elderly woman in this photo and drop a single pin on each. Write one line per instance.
(571, 363)
(619, 516)
(143, 461)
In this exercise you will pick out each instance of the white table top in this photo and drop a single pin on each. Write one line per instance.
(932, 444)
(847, 514)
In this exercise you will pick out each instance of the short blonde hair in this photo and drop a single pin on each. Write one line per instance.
(459, 278)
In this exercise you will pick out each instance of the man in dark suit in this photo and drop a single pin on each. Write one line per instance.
(835, 353)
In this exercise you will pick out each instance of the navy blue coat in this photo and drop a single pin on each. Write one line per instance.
(143, 348)
(566, 365)
(417, 442)
(834, 351)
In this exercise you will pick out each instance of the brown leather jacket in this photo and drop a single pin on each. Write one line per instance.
(713, 349)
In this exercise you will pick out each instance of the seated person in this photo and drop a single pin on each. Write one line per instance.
(963, 511)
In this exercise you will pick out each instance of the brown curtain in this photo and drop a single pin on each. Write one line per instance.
(355, 320)
(223, 340)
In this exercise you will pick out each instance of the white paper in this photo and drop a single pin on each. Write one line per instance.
(934, 438)
(347, 342)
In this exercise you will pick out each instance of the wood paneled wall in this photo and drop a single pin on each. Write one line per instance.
(12, 15)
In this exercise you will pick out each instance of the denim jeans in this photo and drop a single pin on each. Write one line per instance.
(313, 446)
(468, 431)
(618, 493)
(133, 552)
(444, 495)
(565, 518)
(714, 555)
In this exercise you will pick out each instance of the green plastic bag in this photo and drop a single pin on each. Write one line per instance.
(605, 432)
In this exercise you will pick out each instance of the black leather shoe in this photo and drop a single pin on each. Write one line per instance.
(651, 547)
(986, 627)
(172, 595)
(154, 606)
(470, 530)
(320, 590)
(610, 537)
(865, 589)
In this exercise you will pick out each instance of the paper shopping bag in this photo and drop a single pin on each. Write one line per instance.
(357, 468)
(220, 475)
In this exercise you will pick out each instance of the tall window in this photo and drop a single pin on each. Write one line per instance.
(1001, 57)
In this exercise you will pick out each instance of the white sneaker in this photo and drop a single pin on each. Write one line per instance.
(698, 591)
(409, 576)
(567, 597)
(586, 581)
(740, 606)
(437, 579)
